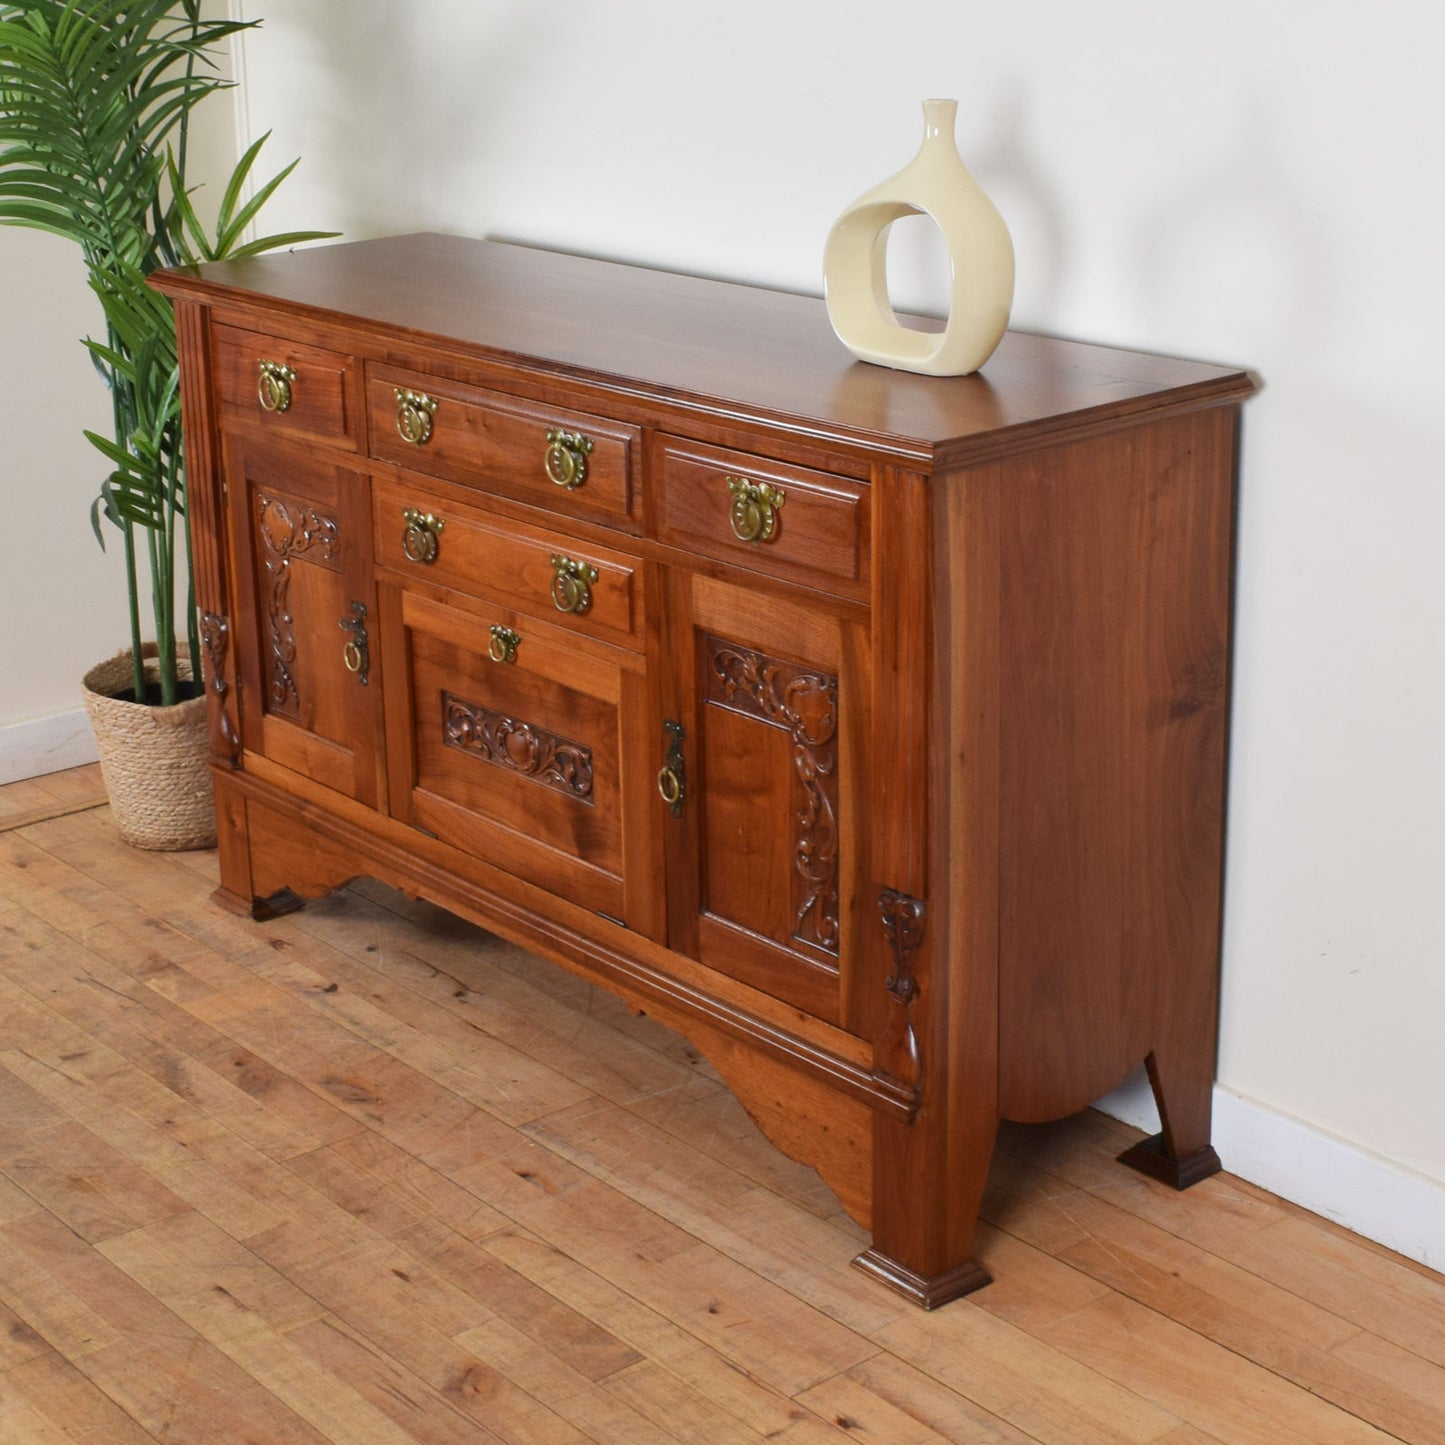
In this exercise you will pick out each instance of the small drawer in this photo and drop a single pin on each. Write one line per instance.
(568, 462)
(805, 525)
(286, 385)
(427, 537)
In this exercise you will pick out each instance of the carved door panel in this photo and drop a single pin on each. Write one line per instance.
(508, 739)
(310, 681)
(763, 847)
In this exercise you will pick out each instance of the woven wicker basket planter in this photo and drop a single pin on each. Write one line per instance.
(155, 760)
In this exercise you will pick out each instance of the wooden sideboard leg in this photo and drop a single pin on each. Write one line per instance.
(233, 846)
(925, 1211)
(1180, 1154)
(274, 905)
(237, 893)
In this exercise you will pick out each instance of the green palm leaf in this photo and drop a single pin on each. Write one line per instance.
(95, 103)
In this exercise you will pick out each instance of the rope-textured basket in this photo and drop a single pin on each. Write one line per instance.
(155, 760)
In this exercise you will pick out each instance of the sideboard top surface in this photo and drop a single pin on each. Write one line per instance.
(729, 348)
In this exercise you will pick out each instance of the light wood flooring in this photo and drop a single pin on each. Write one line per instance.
(366, 1173)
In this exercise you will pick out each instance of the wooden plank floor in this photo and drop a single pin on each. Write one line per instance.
(369, 1174)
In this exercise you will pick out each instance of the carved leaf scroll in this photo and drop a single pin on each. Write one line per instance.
(804, 703)
(897, 1052)
(215, 637)
(289, 530)
(519, 746)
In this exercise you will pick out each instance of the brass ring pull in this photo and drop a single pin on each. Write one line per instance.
(754, 510)
(572, 584)
(414, 413)
(356, 655)
(566, 457)
(273, 387)
(422, 538)
(504, 644)
(670, 786)
(672, 779)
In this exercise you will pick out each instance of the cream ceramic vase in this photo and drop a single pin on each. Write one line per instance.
(934, 183)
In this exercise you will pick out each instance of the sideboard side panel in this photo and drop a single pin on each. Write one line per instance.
(1114, 680)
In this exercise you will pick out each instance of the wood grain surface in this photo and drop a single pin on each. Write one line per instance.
(914, 741)
(767, 351)
(367, 1173)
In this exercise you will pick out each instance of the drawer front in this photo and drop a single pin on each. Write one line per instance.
(426, 536)
(568, 462)
(286, 386)
(508, 743)
(804, 525)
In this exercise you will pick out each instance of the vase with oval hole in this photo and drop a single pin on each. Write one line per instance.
(936, 184)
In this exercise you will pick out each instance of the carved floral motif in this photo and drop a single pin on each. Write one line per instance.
(510, 743)
(215, 637)
(897, 1053)
(903, 927)
(288, 531)
(805, 704)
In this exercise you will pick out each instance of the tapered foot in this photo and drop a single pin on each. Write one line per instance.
(926, 1291)
(274, 905)
(1149, 1157)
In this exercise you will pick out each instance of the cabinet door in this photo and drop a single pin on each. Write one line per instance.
(511, 739)
(300, 526)
(764, 846)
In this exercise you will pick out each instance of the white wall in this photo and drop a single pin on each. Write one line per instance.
(63, 604)
(62, 601)
(1256, 183)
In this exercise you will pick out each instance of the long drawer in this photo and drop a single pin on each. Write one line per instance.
(569, 462)
(424, 533)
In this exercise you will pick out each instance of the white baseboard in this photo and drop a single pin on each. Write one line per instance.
(45, 745)
(1321, 1172)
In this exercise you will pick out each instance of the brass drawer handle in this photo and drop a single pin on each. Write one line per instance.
(273, 388)
(504, 644)
(672, 779)
(572, 584)
(754, 511)
(414, 413)
(422, 537)
(566, 457)
(356, 655)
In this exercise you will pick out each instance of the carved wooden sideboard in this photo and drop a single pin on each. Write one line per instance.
(867, 728)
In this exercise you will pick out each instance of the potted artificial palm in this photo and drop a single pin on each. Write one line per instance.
(96, 98)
